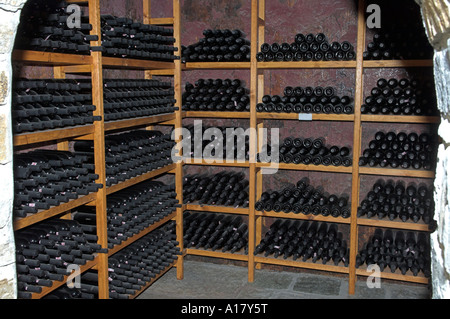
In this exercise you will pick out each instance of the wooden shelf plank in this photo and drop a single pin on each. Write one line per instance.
(319, 218)
(396, 172)
(216, 254)
(129, 123)
(302, 167)
(52, 135)
(302, 264)
(397, 223)
(212, 162)
(149, 229)
(222, 115)
(138, 179)
(54, 211)
(56, 284)
(397, 275)
(217, 209)
(119, 63)
(308, 65)
(315, 117)
(397, 63)
(161, 21)
(216, 65)
(401, 119)
(49, 58)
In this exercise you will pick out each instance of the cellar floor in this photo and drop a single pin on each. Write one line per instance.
(206, 280)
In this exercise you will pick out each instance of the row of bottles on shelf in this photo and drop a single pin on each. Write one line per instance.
(51, 104)
(309, 240)
(215, 232)
(216, 95)
(307, 47)
(307, 151)
(129, 270)
(406, 252)
(305, 199)
(132, 153)
(401, 97)
(218, 45)
(47, 178)
(221, 189)
(125, 99)
(131, 211)
(44, 252)
(392, 200)
(401, 150)
(318, 100)
(50, 27)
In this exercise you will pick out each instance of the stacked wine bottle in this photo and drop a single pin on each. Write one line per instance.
(222, 145)
(401, 150)
(308, 151)
(397, 250)
(397, 200)
(215, 232)
(132, 154)
(305, 199)
(221, 189)
(400, 41)
(45, 26)
(318, 100)
(218, 45)
(401, 97)
(124, 99)
(216, 95)
(45, 251)
(309, 47)
(50, 104)
(124, 38)
(134, 267)
(132, 210)
(310, 241)
(47, 178)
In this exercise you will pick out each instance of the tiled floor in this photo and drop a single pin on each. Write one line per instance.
(203, 280)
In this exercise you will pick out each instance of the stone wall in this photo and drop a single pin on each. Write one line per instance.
(9, 19)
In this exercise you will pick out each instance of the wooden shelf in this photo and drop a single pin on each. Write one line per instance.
(149, 229)
(401, 119)
(56, 284)
(397, 223)
(302, 264)
(153, 280)
(52, 135)
(302, 167)
(216, 209)
(217, 254)
(138, 179)
(396, 172)
(136, 122)
(49, 58)
(54, 211)
(130, 64)
(397, 275)
(315, 117)
(320, 218)
(222, 115)
(308, 65)
(216, 65)
(212, 162)
(397, 63)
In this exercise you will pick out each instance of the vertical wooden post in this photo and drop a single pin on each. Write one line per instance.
(99, 149)
(359, 92)
(178, 125)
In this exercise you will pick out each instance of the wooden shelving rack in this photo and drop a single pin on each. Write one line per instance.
(94, 64)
